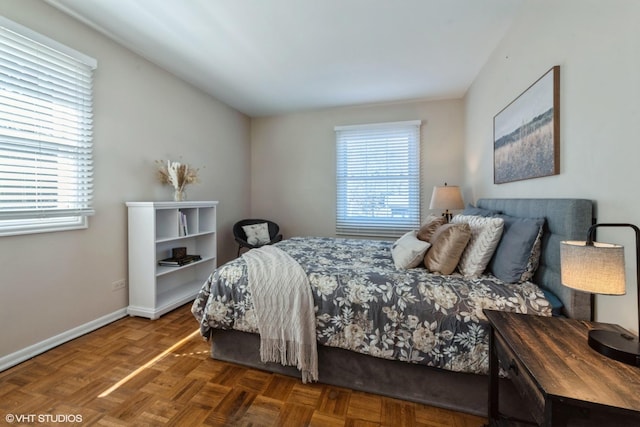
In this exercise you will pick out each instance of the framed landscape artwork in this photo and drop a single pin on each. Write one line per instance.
(526, 133)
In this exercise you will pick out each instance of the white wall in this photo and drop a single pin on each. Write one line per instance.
(597, 45)
(293, 160)
(53, 282)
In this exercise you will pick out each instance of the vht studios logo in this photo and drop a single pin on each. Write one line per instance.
(43, 418)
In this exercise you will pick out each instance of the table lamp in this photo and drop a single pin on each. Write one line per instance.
(446, 197)
(599, 268)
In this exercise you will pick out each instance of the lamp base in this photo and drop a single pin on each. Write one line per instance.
(615, 345)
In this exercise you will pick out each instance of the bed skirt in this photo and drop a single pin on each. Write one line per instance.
(422, 384)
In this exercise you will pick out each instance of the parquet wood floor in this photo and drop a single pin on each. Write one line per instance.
(183, 387)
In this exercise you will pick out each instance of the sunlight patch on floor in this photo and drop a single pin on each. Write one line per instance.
(152, 362)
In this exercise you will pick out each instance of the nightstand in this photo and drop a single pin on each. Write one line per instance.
(562, 379)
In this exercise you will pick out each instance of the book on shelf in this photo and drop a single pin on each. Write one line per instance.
(177, 262)
(183, 229)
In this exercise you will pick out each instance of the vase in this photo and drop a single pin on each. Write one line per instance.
(179, 195)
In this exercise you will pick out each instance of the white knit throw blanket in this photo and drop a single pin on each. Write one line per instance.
(283, 304)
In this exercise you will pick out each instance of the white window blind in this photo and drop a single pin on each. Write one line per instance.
(46, 170)
(378, 179)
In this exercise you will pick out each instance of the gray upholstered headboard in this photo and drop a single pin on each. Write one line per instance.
(566, 219)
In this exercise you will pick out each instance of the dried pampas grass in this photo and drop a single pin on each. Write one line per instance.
(176, 174)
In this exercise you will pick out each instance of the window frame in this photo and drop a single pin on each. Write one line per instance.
(17, 221)
(371, 138)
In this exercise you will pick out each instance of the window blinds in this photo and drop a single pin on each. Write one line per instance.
(45, 128)
(378, 179)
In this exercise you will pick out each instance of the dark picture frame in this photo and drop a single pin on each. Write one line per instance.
(526, 133)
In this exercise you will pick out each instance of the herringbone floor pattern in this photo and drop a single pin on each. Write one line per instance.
(184, 387)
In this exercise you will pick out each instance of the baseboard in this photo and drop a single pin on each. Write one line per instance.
(20, 356)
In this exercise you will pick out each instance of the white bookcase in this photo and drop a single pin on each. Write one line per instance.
(155, 228)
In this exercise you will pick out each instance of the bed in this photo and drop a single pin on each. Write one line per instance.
(375, 332)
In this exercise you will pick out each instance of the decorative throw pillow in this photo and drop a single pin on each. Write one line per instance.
(430, 226)
(257, 234)
(556, 304)
(534, 258)
(472, 210)
(447, 244)
(517, 255)
(408, 251)
(485, 236)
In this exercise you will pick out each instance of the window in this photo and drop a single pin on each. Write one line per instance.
(45, 133)
(378, 179)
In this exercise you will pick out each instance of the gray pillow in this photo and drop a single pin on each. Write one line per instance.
(510, 260)
(472, 210)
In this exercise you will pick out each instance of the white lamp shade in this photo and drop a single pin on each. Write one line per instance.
(446, 197)
(598, 269)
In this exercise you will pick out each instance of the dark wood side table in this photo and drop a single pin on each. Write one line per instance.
(563, 380)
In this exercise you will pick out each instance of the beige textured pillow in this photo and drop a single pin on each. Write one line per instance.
(408, 251)
(447, 244)
(430, 226)
(485, 236)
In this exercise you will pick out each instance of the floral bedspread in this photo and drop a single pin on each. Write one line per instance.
(363, 303)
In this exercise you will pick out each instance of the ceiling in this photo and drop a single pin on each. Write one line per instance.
(269, 57)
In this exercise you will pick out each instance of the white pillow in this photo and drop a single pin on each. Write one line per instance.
(257, 234)
(408, 251)
(485, 236)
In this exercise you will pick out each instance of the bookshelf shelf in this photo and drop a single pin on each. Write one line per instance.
(155, 228)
